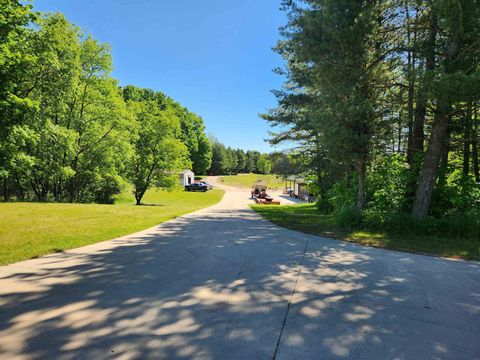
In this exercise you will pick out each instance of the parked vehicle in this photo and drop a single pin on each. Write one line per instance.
(196, 187)
(209, 186)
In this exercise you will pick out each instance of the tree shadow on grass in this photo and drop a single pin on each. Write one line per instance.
(146, 204)
(218, 286)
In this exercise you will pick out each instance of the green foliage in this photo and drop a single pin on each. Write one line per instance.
(202, 157)
(106, 187)
(66, 132)
(241, 158)
(158, 153)
(228, 161)
(286, 164)
(341, 198)
(192, 132)
(251, 161)
(457, 202)
(387, 182)
(263, 165)
(348, 217)
(218, 166)
(382, 100)
(341, 195)
(458, 193)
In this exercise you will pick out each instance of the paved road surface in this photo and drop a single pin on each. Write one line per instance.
(222, 283)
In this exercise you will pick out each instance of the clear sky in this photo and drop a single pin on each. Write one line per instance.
(213, 56)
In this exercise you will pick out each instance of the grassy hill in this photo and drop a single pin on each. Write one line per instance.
(246, 180)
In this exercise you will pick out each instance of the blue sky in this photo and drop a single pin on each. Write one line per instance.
(213, 56)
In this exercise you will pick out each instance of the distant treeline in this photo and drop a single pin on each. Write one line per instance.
(68, 131)
(228, 161)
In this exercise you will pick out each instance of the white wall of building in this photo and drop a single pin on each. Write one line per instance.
(186, 177)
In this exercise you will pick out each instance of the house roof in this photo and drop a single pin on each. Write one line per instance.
(296, 178)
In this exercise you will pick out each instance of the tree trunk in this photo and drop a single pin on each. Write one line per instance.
(139, 195)
(318, 168)
(21, 191)
(361, 167)
(411, 89)
(39, 188)
(476, 134)
(428, 173)
(446, 145)
(418, 135)
(467, 139)
(399, 134)
(71, 190)
(6, 190)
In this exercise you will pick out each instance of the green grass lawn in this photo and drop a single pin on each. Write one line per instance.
(306, 218)
(247, 180)
(29, 230)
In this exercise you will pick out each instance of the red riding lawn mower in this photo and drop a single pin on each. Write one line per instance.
(259, 194)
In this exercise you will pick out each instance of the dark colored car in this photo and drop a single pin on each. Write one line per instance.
(196, 187)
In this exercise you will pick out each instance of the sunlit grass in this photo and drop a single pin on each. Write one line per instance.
(247, 180)
(32, 229)
(306, 218)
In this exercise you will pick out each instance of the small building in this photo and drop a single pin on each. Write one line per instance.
(301, 190)
(297, 186)
(186, 177)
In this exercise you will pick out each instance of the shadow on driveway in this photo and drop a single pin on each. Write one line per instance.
(218, 286)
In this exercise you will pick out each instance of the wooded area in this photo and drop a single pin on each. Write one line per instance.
(228, 161)
(68, 131)
(382, 98)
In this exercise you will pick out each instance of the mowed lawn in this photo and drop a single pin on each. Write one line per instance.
(247, 180)
(28, 230)
(307, 219)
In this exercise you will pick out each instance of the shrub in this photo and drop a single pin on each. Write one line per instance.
(457, 193)
(347, 217)
(324, 206)
(454, 226)
(386, 185)
(341, 195)
(455, 209)
(106, 188)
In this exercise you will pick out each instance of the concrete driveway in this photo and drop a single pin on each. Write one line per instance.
(222, 283)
